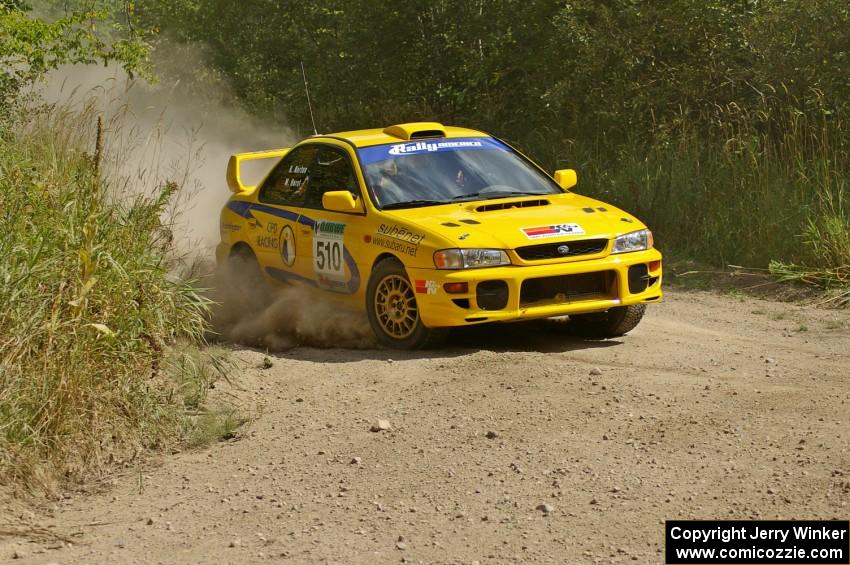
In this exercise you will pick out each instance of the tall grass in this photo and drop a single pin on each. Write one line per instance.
(757, 188)
(88, 312)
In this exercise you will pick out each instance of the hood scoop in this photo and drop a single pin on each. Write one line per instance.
(515, 204)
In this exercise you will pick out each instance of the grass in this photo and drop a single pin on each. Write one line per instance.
(766, 189)
(220, 422)
(99, 344)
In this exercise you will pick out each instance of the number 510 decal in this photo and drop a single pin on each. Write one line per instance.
(328, 251)
(329, 256)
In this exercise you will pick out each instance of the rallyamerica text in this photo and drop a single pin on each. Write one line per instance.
(756, 532)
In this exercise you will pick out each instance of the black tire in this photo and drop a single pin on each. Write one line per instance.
(393, 311)
(614, 322)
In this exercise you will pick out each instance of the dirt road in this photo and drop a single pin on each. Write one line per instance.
(715, 407)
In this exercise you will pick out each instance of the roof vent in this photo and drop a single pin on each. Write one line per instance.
(416, 130)
(427, 134)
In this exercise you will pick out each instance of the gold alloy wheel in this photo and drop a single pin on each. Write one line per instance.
(395, 306)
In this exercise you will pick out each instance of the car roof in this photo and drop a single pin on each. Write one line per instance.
(398, 133)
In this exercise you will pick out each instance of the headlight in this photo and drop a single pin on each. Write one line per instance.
(470, 258)
(635, 241)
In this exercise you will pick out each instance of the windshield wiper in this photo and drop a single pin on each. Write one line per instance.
(413, 204)
(489, 195)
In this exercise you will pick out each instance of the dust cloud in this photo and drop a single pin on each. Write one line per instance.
(250, 312)
(158, 133)
(155, 134)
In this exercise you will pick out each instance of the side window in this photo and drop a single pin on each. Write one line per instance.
(291, 178)
(331, 171)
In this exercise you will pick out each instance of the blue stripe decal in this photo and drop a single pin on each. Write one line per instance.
(286, 276)
(245, 209)
(354, 281)
(241, 208)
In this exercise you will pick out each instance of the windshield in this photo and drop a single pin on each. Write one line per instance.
(440, 171)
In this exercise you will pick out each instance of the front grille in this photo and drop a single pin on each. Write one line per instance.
(567, 288)
(550, 250)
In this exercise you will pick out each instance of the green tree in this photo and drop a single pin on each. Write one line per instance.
(31, 46)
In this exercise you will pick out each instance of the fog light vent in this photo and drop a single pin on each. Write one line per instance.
(638, 278)
(491, 295)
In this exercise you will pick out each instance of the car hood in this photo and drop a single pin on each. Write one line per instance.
(515, 222)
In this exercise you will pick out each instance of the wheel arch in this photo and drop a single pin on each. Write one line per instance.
(384, 256)
(242, 249)
(420, 336)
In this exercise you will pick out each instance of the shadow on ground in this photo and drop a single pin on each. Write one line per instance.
(545, 336)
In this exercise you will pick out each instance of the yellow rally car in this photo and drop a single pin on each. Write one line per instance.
(429, 227)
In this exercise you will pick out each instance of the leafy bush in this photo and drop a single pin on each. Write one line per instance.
(723, 124)
(768, 185)
(88, 312)
(31, 46)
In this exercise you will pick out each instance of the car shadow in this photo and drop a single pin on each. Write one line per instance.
(542, 336)
(546, 336)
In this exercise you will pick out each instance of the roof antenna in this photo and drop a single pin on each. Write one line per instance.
(307, 92)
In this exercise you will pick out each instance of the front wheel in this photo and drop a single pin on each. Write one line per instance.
(614, 322)
(393, 311)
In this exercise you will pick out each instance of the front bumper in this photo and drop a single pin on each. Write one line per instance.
(539, 291)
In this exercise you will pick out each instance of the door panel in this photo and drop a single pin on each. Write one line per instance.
(272, 232)
(333, 235)
(330, 246)
(278, 210)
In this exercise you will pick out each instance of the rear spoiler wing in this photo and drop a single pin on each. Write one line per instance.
(234, 165)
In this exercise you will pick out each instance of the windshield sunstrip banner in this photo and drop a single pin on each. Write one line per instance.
(396, 150)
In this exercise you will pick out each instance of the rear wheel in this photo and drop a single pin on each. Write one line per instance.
(245, 281)
(393, 311)
(614, 322)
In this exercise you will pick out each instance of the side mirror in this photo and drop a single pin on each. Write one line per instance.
(566, 178)
(341, 201)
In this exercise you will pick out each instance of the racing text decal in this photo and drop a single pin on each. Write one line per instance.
(269, 240)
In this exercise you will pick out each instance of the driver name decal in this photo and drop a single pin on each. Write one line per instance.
(555, 230)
